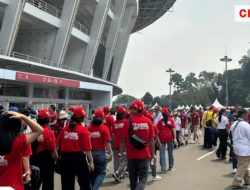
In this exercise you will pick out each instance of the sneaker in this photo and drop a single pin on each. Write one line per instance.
(117, 178)
(163, 171)
(234, 171)
(171, 169)
(156, 178)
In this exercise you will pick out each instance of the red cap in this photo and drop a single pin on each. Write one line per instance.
(145, 112)
(216, 110)
(43, 114)
(120, 109)
(137, 104)
(78, 112)
(127, 112)
(106, 109)
(212, 107)
(158, 108)
(71, 108)
(164, 110)
(99, 113)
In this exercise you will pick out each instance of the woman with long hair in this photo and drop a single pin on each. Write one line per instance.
(13, 145)
(223, 128)
(75, 147)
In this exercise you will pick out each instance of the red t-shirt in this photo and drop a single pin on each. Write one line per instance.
(110, 122)
(195, 119)
(74, 140)
(119, 131)
(46, 141)
(142, 128)
(183, 120)
(53, 117)
(165, 131)
(11, 164)
(99, 136)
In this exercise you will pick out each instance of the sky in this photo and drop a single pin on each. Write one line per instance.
(192, 38)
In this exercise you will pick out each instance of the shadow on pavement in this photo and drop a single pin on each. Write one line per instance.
(109, 183)
(230, 175)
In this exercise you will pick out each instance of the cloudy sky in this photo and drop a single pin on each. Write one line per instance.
(191, 39)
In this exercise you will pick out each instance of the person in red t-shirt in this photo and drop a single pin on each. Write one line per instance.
(167, 135)
(119, 131)
(53, 117)
(44, 153)
(13, 146)
(138, 154)
(195, 124)
(184, 126)
(100, 140)
(75, 147)
(61, 122)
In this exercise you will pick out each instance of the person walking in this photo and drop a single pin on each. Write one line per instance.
(100, 140)
(241, 144)
(167, 136)
(195, 124)
(44, 153)
(75, 147)
(223, 128)
(140, 146)
(177, 122)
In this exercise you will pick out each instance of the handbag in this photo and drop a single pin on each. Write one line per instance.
(134, 140)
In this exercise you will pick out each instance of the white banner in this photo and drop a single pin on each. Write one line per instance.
(242, 13)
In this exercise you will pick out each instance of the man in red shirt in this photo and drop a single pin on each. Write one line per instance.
(53, 117)
(195, 124)
(167, 135)
(184, 127)
(119, 131)
(140, 146)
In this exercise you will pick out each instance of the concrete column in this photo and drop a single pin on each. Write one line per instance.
(113, 34)
(95, 35)
(10, 25)
(121, 43)
(70, 8)
(31, 91)
(67, 96)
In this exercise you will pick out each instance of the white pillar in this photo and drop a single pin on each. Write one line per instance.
(31, 94)
(69, 12)
(95, 35)
(113, 34)
(121, 43)
(10, 25)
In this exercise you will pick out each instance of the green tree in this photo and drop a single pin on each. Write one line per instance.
(147, 99)
(157, 100)
(123, 99)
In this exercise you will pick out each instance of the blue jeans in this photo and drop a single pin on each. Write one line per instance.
(99, 174)
(163, 162)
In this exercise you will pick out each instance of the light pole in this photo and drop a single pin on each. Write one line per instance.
(226, 59)
(170, 71)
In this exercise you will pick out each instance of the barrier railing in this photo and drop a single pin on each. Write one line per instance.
(31, 58)
(81, 27)
(70, 68)
(46, 7)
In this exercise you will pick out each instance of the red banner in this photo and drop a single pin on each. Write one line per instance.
(29, 77)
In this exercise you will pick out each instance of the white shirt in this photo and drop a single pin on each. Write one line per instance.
(241, 138)
(177, 122)
(157, 117)
(223, 123)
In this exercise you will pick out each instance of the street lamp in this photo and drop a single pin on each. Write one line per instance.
(226, 59)
(170, 71)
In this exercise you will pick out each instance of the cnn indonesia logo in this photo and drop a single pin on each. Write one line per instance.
(242, 13)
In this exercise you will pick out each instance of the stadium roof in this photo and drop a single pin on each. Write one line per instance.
(150, 11)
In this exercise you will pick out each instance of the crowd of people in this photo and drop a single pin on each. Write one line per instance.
(35, 144)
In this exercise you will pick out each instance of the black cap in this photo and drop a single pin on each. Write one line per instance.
(241, 112)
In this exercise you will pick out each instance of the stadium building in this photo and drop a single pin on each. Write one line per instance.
(67, 52)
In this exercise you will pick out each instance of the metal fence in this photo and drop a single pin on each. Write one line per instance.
(46, 7)
(31, 58)
(81, 27)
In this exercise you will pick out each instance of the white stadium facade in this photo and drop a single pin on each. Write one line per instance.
(67, 52)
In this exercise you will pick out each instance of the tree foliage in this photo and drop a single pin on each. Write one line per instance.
(124, 99)
(147, 99)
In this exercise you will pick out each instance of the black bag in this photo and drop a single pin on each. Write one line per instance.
(134, 140)
(209, 123)
(35, 174)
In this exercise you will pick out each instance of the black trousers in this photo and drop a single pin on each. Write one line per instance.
(222, 150)
(138, 170)
(208, 141)
(75, 165)
(44, 161)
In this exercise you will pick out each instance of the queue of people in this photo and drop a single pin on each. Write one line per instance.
(36, 144)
